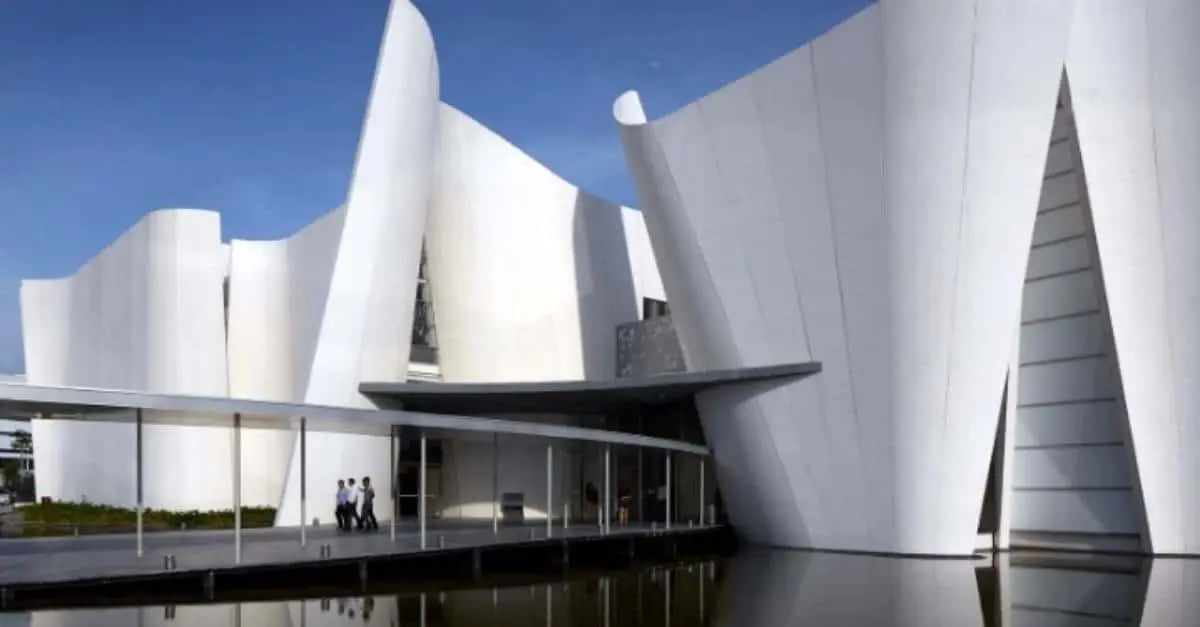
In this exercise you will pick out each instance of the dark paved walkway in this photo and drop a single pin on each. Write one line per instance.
(48, 560)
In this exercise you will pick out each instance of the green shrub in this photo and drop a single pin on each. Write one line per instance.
(46, 518)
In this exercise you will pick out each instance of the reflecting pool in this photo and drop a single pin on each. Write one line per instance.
(752, 589)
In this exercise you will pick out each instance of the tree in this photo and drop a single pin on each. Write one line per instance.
(22, 443)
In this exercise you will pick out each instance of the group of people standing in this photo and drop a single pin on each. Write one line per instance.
(348, 513)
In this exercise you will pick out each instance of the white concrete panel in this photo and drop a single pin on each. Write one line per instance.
(311, 253)
(277, 291)
(259, 342)
(1059, 222)
(1060, 296)
(259, 350)
(368, 312)
(1059, 258)
(1092, 422)
(1071, 422)
(1175, 92)
(1059, 160)
(145, 314)
(1059, 191)
(1071, 468)
(1133, 73)
(848, 77)
(1063, 382)
(530, 275)
(1064, 338)
(1068, 511)
(929, 245)
(1007, 127)
(788, 109)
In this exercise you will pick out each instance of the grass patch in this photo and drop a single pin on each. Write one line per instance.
(62, 518)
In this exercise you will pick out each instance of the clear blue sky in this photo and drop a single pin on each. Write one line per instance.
(112, 108)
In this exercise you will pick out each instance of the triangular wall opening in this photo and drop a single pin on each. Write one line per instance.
(1073, 484)
(423, 356)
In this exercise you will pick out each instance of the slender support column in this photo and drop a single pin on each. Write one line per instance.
(141, 506)
(549, 606)
(422, 617)
(667, 508)
(392, 488)
(703, 517)
(421, 504)
(495, 483)
(640, 499)
(549, 491)
(607, 487)
(303, 481)
(237, 488)
(700, 571)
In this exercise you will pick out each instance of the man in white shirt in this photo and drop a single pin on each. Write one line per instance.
(341, 512)
(352, 507)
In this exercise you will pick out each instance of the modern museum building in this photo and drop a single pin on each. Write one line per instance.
(926, 281)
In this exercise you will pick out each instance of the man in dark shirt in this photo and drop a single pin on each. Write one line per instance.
(367, 520)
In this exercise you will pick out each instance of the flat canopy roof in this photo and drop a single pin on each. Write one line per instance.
(571, 397)
(119, 406)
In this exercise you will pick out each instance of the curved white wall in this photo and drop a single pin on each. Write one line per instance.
(277, 292)
(365, 330)
(1135, 85)
(145, 314)
(530, 275)
(866, 201)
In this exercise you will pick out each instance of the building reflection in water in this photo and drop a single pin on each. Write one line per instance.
(754, 589)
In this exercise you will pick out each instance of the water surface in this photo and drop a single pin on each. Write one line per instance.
(752, 589)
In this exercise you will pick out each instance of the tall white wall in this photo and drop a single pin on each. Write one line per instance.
(364, 334)
(1070, 461)
(530, 278)
(145, 314)
(530, 275)
(859, 202)
(277, 292)
(1135, 88)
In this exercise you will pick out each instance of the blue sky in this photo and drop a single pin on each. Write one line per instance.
(109, 109)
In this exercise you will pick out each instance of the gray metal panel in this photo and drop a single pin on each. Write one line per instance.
(649, 347)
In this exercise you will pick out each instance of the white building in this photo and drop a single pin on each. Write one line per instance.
(998, 289)
(528, 279)
(902, 201)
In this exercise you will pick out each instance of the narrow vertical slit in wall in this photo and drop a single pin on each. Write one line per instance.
(989, 513)
(1074, 483)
